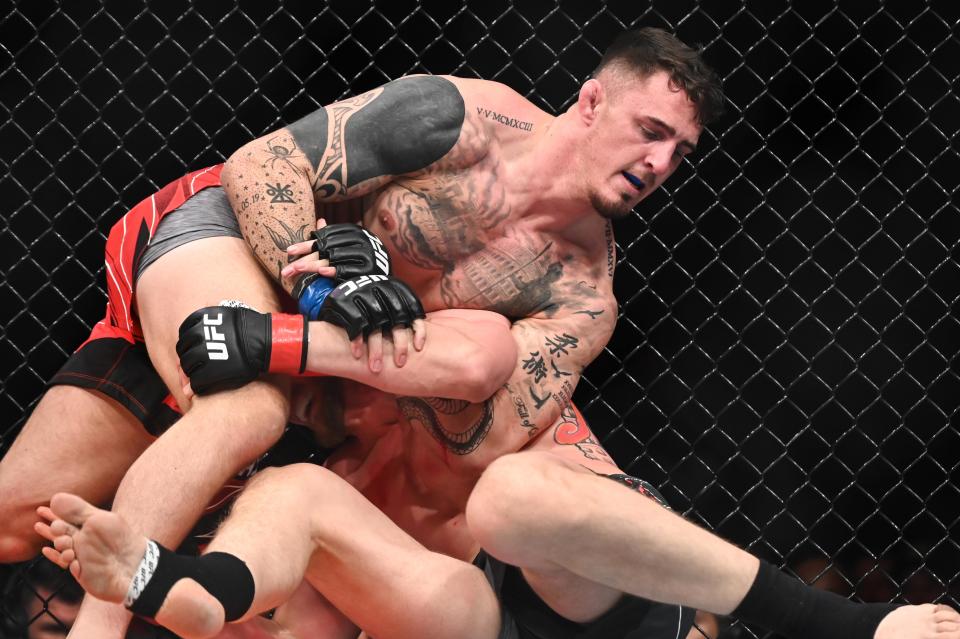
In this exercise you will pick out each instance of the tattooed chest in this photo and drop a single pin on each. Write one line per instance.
(453, 238)
(440, 220)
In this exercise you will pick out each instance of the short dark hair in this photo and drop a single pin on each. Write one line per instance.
(648, 50)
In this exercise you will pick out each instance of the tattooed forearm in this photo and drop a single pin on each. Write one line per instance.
(573, 431)
(535, 366)
(459, 442)
(557, 373)
(289, 235)
(552, 370)
(505, 120)
(564, 394)
(538, 401)
(247, 202)
(282, 148)
(282, 240)
(520, 406)
(280, 194)
(271, 199)
(561, 344)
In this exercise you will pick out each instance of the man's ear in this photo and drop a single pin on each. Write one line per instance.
(589, 99)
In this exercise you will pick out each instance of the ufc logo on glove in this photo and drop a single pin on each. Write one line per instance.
(379, 253)
(216, 346)
(351, 286)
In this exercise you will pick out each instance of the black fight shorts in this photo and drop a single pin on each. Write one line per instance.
(525, 616)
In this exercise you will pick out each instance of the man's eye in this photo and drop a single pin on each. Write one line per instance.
(649, 133)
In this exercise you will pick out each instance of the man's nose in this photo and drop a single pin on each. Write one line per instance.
(659, 158)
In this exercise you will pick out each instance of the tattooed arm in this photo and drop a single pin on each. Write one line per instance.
(553, 349)
(342, 151)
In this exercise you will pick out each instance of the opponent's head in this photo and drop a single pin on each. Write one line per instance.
(643, 110)
(316, 402)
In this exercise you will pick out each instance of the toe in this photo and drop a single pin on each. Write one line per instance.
(946, 613)
(45, 513)
(72, 508)
(60, 527)
(54, 556)
(43, 530)
(63, 542)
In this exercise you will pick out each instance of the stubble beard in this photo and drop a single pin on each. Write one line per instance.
(611, 209)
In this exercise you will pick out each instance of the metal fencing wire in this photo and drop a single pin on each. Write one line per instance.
(785, 364)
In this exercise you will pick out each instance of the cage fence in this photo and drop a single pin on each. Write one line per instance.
(785, 362)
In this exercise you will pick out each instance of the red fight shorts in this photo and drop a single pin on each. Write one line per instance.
(114, 360)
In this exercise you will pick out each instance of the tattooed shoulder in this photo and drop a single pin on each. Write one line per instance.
(396, 129)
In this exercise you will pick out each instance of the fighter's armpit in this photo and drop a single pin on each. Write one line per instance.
(401, 127)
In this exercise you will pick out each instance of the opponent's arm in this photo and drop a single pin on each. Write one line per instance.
(341, 151)
(469, 355)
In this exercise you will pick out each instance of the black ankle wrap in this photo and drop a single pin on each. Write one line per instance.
(223, 575)
(795, 610)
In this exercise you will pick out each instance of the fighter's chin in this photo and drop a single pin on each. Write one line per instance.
(610, 208)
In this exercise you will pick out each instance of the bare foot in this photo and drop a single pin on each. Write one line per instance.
(928, 621)
(103, 552)
(100, 549)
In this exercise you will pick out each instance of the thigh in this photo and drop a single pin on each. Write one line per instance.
(77, 440)
(387, 583)
(198, 274)
(567, 593)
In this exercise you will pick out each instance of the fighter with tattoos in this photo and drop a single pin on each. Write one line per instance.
(381, 532)
(481, 214)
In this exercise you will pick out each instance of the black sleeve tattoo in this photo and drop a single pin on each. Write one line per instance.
(398, 128)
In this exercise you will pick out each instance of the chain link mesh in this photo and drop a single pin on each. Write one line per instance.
(785, 365)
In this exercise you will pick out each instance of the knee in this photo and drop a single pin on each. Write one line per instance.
(516, 494)
(477, 605)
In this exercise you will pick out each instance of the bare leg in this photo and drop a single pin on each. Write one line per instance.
(69, 429)
(166, 489)
(598, 530)
(358, 559)
(659, 556)
(352, 553)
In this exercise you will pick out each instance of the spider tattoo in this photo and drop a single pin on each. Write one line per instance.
(280, 152)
